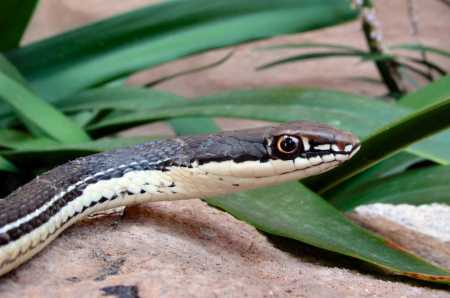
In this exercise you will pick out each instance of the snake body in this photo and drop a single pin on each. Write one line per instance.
(172, 169)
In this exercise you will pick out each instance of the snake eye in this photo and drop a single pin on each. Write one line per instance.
(288, 144)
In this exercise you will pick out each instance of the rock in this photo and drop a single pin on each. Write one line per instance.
(419, 229)
(187, 249)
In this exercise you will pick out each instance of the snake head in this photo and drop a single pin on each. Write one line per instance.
(269, 155)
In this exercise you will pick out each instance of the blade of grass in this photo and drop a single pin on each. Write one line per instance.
(429, 64)
(392, 138)
(119, 98)
(40, 152)
(431, 93)
(421, 48)
(6, 165)
(190, 71)
(116, 47)
(10, 70)
(393, 165)
(309, 56)
(420, 186)
(307, 45)
(365, 56)
(14, 18)
(37, 114)
(84, 118)
(10, 138)
(32, 143)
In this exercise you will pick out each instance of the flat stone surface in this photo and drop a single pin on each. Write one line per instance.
(430, 219)
(188, 249)
(423, 244)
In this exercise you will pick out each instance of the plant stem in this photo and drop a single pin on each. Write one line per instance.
(388, 69)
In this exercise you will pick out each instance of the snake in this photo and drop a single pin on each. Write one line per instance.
(188, 167)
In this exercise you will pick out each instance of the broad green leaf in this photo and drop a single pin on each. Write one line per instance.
(399, 162)
(361, 115)
(421, 186)
(6, 165)
(10, 138)
(431, 93)
(84, 118)
(193, 125)
(393, 165)
(40, 152)
(116, 47)
(113, 98)
(421, 48)
(291, 210)
(38, 114)
(14, 17)
(284, 104)
(391, 138)
(119, 98)
(33, 143)
(10, 70)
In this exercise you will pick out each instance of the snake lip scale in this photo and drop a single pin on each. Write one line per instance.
(172, 169)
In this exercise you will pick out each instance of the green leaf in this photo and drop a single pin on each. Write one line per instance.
(189, 71)
(421, 186)
(391, 138)
(14, 18)
(40, 152)
(291, 210)
(33, 143)
(331, 54)
(6, 165)
(116, 47)
(119, 98)
(284, 104)
(84, 118)
(359, 114)
(10, 70)
(10, 138)
(309, 45)
(421, 48)
(193, 125)
(38, 114)
(431, 93)
(399, 162)
(393, 165)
